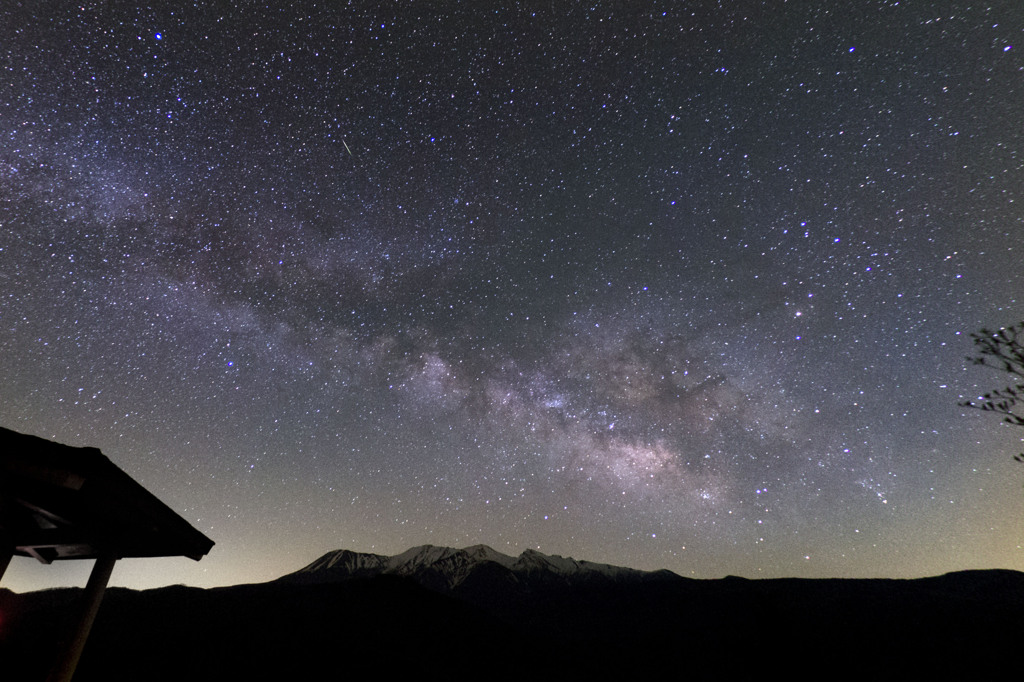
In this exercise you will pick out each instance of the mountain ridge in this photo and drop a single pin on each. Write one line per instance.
(449, 569)
(965, 622)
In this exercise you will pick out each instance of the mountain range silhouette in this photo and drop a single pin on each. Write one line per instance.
(442, 612)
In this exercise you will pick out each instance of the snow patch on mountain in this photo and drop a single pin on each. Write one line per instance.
(447, 568)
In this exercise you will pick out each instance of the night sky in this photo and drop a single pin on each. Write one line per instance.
(681, 285)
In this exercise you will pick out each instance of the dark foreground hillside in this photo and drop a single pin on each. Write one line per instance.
(871, 629)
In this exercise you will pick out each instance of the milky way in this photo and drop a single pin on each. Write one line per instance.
(664, 285)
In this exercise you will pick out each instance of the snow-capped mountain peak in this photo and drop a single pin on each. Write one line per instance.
(447, 568)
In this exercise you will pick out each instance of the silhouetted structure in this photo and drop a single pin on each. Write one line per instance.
(58, 502)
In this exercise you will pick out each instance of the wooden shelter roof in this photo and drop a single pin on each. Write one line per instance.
(60, 502)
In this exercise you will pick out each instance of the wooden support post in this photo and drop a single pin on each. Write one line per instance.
(67, 660)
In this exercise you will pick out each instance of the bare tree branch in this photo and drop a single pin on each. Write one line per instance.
(1002, 350)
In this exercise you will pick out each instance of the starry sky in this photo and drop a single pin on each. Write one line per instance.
(681, 285)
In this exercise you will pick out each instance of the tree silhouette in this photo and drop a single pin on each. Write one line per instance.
(1003, 350)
